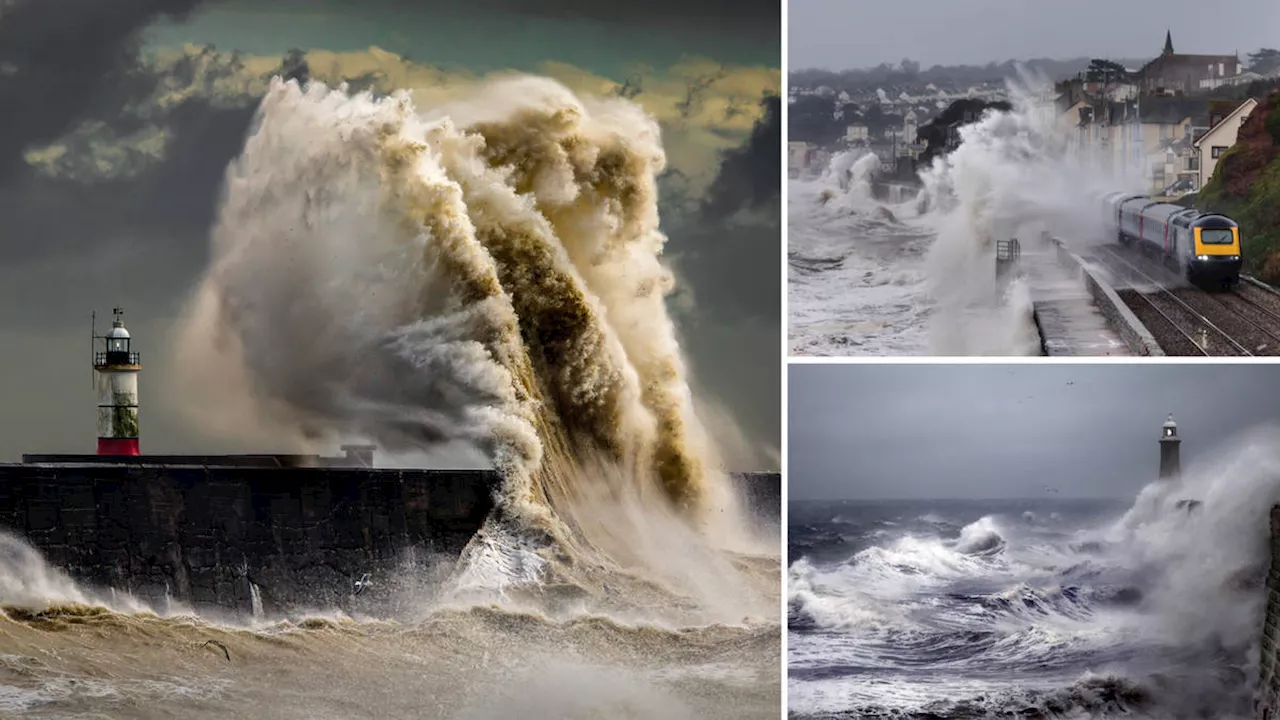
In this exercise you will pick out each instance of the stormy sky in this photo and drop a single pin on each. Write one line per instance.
(605, 37)
(1009, 431)
(122, 116)
(837, 34)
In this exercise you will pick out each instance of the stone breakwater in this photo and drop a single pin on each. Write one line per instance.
(265, 538)
(1267, 697)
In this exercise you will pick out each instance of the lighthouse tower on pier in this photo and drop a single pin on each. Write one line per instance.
(117, 367)
(1170, 464)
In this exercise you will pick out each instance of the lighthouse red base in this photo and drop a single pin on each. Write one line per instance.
(118, 446)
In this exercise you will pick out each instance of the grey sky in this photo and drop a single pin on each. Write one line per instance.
(990, 431)
(840, 34)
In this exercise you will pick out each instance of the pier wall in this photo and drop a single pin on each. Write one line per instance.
(1267, 697)
(282, 537)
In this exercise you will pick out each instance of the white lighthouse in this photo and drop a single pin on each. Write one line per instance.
(1170, 463)
(117, 367)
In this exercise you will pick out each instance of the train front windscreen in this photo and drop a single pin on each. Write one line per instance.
(1217, 236)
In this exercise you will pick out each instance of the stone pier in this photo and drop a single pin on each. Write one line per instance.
(219, 537)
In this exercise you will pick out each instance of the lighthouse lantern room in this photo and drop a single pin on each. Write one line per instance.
(117, 367)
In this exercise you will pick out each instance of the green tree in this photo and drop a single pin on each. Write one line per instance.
(1106, 72)
(1264, 61)
(811, 118)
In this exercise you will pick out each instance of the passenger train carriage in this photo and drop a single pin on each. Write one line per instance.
(1203, 246)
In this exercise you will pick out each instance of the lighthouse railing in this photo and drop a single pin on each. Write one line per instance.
(103, 358)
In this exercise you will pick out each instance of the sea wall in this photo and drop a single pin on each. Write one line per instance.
(1113, 309)
(212, 537)
(279, 538)
(1267, 697)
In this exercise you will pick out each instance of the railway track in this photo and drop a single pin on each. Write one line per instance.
(1262, 300)
(1190, 321)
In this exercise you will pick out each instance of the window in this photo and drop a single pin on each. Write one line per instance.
(1217, 236)
(1217, 151)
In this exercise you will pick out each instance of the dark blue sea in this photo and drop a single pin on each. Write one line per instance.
(1148, 607)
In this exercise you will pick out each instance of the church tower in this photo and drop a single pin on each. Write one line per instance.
(1168, 42)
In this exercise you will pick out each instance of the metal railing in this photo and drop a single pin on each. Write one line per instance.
(115, 357)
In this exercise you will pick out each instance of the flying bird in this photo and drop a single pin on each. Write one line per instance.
(226, 652)
(362, 584)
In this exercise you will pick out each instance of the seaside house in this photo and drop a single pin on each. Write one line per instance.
(1219, 138)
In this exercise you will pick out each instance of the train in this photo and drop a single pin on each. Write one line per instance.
(1204, 247)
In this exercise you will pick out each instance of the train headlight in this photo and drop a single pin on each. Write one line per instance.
(1202, 257)
(1235, 257)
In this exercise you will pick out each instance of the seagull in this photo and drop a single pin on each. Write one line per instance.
(362, 584)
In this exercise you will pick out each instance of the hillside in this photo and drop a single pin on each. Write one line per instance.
(960, 77)
(1246, 186)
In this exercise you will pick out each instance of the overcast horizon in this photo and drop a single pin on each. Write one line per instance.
(969, 432)
(829, 34)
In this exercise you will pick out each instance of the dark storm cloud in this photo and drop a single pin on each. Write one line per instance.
(69, 61)
(727, 254)
(63, 59)
(989, 431)
(172, 203)
(714, 15)
(749, 174)
(727, 249)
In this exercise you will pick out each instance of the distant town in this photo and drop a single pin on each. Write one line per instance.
(1168, 118)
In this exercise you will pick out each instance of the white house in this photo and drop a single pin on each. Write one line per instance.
(798, 156)
(1148, 139)
(1220, 138)
(856, 133)
(1122, 92)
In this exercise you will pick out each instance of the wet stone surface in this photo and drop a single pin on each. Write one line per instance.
(208, 536)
